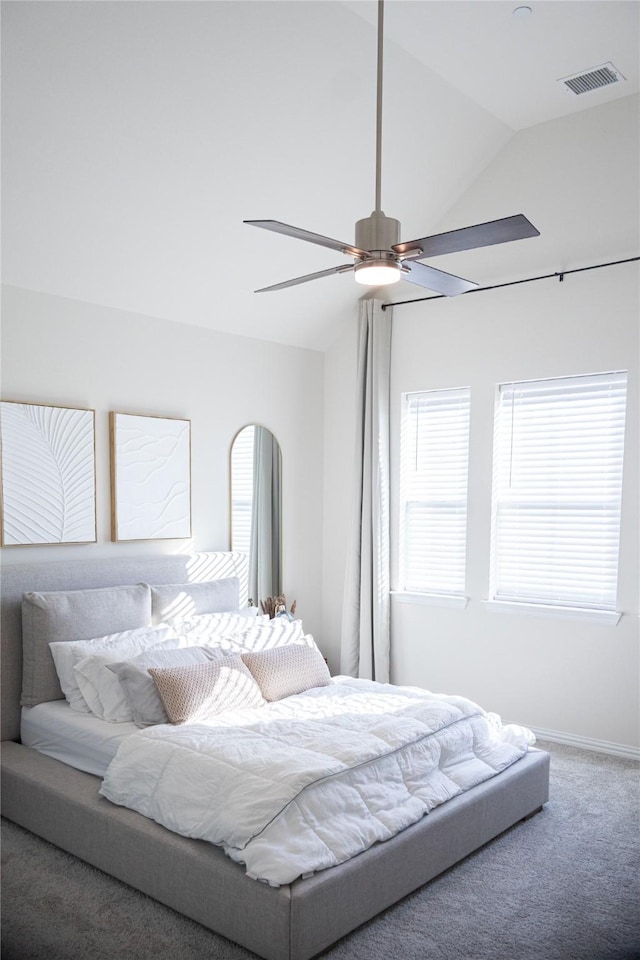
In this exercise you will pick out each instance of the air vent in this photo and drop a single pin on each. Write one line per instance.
(593, 79)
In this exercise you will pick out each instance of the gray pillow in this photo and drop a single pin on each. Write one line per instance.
(187, 599)
(73, 615)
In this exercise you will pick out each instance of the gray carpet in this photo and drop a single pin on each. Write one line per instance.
(565, 885)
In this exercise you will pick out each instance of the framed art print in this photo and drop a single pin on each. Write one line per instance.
(150, 477)
(48, 474)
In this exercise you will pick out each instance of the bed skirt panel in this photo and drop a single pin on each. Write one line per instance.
(379, 877)
(195, 878)
(292, 922)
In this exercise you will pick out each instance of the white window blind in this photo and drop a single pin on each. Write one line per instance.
(557, 490)
(433, 491)
(242, 490)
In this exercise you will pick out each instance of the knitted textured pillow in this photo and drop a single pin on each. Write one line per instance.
(200, 691)
(282, 671)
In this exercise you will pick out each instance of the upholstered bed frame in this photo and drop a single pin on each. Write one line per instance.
(292, 922)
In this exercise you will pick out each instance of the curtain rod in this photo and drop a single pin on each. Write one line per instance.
(512, 283)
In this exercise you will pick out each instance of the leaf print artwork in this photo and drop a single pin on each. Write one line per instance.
(48, 474)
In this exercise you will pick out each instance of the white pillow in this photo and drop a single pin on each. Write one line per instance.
(274, 633)
(253, 613)
(84, 672)
(207, 625)
(67, 653)
(102, 689)
(251, 636)
(140, 692)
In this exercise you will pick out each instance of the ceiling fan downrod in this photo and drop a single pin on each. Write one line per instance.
(378, 233)
(378, 208)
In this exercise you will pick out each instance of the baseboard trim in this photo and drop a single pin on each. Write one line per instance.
(588, 743)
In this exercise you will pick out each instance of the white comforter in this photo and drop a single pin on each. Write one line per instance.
(308, 782)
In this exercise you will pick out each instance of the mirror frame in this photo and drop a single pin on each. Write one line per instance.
(231, 499)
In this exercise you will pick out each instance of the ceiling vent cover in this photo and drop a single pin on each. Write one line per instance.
(593, 79)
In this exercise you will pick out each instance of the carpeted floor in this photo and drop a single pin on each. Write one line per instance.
(565, 885)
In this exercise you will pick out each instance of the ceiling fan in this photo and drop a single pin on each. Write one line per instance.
(379, 258)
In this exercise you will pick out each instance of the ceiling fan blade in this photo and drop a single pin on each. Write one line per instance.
(299, 234)
(343, 268)
(425, 276)
(468, 238)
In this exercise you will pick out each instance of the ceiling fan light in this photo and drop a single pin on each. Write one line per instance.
(377, 273)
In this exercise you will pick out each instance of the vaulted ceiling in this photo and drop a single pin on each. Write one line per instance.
(138, 136)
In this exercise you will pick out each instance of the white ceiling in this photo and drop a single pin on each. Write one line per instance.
(138, 136)
(510, 65)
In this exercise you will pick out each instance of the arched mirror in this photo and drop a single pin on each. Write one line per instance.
(256, 508)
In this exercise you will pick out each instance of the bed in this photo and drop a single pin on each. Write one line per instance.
(291, 921)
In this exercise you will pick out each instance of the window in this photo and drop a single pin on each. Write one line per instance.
(433, 491)
(556, 491)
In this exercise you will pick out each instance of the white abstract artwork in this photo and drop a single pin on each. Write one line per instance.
(150, 477)
(48, 474)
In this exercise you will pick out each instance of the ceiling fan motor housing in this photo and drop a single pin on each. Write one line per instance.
(377, 234)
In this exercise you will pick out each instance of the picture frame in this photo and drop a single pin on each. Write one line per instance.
(150, 477)
(48, 474)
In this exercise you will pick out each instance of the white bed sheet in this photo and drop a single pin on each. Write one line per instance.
(81, 740)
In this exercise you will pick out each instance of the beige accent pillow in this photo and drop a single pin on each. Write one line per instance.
(200, 691)
(282, 671)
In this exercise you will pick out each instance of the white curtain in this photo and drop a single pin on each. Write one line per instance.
(365, 619)
(265, 555)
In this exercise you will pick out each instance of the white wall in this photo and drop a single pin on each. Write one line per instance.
(568, 676)
(66, 352)
(577, 180)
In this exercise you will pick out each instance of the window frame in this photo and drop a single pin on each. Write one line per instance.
(408, 590)
(550, 602)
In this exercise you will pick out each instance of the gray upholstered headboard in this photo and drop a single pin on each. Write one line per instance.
(79, 574)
